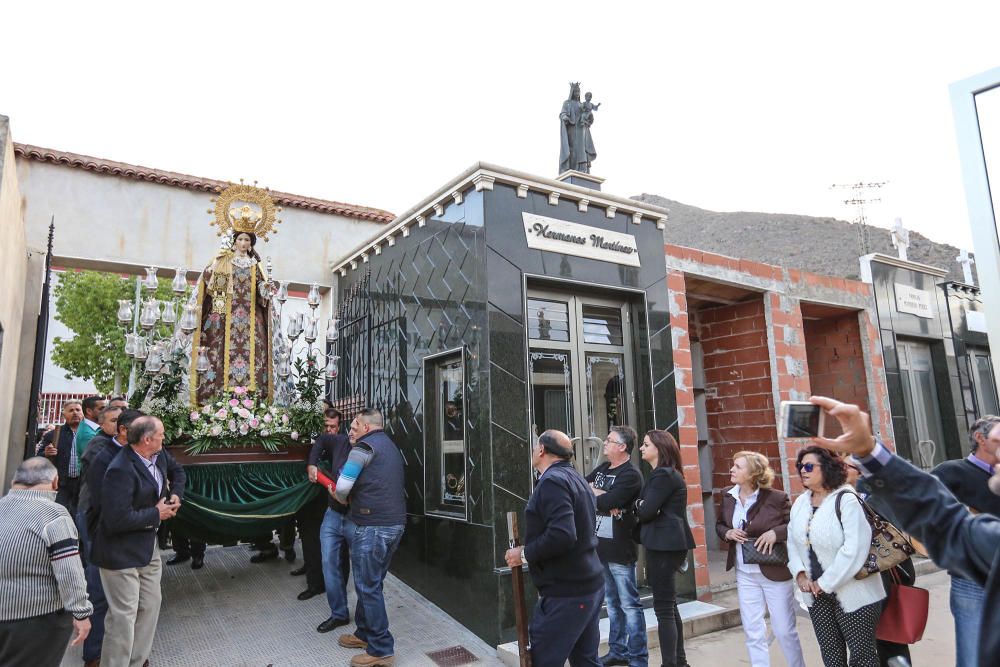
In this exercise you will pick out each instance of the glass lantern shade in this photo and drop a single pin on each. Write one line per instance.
(282, 295)
(202, 365)
(179, 285)
(332, 371)
(124, 311)
(141, 348)
(169, 313)
(311, 330)
(313, 298)
(151, 282)
(332, 333)
(284, 368)
(130, 345)
(155, 359)
(150, 314)
(293, 328)
(189, 320)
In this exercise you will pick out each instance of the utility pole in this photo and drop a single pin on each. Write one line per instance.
(861, 192)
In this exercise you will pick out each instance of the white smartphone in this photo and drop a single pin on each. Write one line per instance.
(801, 419)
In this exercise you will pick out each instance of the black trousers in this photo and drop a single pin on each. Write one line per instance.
(68, 493)
(838, 632)
(309, 519)
(564, 629)
(186, 547)
(661, 567)
(39, 641)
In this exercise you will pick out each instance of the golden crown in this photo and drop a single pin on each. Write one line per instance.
(245, 208)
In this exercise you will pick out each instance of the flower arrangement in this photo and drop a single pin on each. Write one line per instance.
(240, 418)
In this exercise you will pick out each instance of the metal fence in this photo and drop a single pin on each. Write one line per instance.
(50, 406)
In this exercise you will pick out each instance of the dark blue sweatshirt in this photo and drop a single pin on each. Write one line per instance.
(559, 540)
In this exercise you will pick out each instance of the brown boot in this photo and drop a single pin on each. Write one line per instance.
(350, 641)
(92, 663)
(365, 660)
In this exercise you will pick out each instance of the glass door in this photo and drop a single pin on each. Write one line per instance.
(580, 369)
(922, 407)
(983, 380)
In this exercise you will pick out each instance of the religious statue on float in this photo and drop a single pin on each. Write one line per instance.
(233, 340)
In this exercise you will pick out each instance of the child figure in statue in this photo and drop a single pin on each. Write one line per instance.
(235, 306)
(588, 109)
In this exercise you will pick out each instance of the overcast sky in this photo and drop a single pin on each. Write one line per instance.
(742, 106)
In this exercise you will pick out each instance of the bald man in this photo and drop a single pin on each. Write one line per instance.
(560, 549)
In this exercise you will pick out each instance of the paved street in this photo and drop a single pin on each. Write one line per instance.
(936, 648)
(233, 613)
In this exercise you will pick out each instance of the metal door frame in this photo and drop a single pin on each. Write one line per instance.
(578, 349)
(905, 347)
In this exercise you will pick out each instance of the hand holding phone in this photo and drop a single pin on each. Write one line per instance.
(801, 419)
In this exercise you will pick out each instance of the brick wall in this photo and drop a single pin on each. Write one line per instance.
(687, 425)
(739, 403)
(836, 361)
(790, 365)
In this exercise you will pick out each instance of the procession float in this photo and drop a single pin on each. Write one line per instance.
(238, 383)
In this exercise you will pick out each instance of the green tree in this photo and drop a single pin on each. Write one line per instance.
(87, 303)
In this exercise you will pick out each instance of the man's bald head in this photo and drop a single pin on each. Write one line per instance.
(556, 443)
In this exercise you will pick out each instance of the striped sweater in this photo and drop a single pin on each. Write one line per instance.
(40, 568)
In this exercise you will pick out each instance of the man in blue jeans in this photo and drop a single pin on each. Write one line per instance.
(333, 447)
(616, 484)
(968, 480)
(371, 485)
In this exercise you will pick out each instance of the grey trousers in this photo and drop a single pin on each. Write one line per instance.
(133, 610)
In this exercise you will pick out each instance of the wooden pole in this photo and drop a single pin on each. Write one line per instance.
(517, 578)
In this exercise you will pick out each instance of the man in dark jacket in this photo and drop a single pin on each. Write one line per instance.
(560, 549)
(371, 485)
(59, 446)
(332, 448)
(136, 495)
(616, 484)
(968, 480)
(966, 544)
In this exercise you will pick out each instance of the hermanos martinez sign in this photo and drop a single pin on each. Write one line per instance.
(571, 238)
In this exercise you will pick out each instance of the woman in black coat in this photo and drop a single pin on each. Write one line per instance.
(664, 531)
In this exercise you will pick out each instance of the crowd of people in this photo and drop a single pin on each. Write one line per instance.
(83, 526)
(81, 556)
(583, 533)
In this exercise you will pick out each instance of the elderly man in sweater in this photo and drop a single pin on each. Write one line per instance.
(43, 593)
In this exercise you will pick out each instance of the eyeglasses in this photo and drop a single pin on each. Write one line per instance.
(808, 467)
(614, 442)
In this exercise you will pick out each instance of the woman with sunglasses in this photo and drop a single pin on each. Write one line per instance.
(664, 531)
(824, 553)
(752, 512)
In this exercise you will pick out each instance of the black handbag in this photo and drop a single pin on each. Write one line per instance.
(778, 555)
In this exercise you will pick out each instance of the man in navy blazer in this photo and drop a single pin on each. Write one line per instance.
(136, 496)
(921, 505)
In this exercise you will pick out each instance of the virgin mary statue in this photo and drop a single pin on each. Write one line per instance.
(234, 302)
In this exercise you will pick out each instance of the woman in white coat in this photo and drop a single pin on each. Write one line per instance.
(824, 553)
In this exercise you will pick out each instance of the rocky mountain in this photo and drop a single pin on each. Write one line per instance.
(822, 245)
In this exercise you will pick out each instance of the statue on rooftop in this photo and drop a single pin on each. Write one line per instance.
(576, 149)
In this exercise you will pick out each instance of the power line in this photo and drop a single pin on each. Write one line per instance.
(861, 197)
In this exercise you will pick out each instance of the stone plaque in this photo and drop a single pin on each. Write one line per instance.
(975, 321)
(914, 301)
(571, 238)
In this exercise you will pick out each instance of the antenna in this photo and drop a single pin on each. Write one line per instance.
(861, 196)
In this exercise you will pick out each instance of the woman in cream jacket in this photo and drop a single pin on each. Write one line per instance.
(824, 553)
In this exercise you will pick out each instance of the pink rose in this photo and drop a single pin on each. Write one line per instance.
(231, 425)
(221, 414)
(195, 416)
(267, 418)
(247, 403)
(233, 402)
(254, 423)
(244, 413)
(216, 430)
(284, 419)
(294, 435)
(243, 429)
(239, 391)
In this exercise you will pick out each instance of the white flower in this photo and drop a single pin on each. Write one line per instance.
(231, 425)
(294, 435)
(216, 430)
(244, 429)
(265, 433)
(284, 419)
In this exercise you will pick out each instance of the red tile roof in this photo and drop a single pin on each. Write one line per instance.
(123, 170)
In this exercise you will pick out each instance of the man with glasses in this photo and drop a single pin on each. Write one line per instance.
(616, 484)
